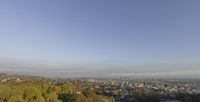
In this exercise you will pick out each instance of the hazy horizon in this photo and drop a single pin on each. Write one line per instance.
(101, 38)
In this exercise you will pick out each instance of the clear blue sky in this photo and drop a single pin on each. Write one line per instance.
(95, 37)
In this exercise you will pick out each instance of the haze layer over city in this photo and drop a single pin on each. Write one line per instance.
(100, 38)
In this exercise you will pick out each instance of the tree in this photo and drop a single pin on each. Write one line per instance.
(16, 98)
(33, 95)
(52, 97)
(81, 98)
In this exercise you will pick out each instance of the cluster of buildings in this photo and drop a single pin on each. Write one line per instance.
(169, 86)
(121, 89)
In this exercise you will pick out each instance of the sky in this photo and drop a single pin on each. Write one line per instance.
(100, 38)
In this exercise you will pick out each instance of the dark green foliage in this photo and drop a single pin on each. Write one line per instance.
(43, 92)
